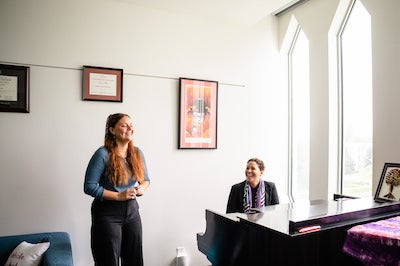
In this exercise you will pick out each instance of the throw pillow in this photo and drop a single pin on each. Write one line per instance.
(27, 254)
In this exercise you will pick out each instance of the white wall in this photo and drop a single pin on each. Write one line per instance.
(386, 80)
(44, 153)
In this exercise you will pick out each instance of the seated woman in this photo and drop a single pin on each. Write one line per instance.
(252, 192)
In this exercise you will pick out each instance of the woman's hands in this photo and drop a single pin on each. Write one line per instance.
(127, 194)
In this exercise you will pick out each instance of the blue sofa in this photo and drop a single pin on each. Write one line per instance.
(59, 253)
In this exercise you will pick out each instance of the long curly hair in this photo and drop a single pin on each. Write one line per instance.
(116, 171)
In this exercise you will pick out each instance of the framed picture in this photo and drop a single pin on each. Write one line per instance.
(197, 114)
(389, 184)
(14, 88)
(102, 84)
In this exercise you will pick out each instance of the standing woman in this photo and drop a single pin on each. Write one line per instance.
(115, 176)
(252, 192)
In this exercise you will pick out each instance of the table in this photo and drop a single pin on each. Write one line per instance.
(375, 243)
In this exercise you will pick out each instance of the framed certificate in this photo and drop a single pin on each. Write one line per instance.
(102, 84)
(14, 88)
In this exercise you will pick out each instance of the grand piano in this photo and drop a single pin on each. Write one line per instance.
(306, 233)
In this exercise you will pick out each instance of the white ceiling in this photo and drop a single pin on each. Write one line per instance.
(239, 10)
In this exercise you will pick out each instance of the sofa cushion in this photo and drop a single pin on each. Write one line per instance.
(27, 254)
(58, 254)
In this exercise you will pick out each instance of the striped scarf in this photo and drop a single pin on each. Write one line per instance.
(248, 197)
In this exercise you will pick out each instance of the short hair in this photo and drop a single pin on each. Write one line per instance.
(259, 162)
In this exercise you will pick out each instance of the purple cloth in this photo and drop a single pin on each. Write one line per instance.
(376, 243)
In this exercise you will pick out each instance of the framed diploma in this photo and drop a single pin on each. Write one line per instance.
(102, 84)
(14, 88)
(197, 114)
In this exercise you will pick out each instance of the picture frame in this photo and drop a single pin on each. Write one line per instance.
(14, 88)
(198, 101)
(389, 185)
(102, 84)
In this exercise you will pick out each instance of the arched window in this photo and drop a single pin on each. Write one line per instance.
(357, 103)
(299, 116)
(354, 103)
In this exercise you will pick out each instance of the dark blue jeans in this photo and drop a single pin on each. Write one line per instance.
(116, 233)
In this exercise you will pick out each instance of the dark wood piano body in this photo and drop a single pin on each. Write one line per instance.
(272, 237)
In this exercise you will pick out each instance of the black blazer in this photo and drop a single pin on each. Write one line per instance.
(235, 200)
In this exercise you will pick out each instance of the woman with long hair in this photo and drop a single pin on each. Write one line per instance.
(115, 176)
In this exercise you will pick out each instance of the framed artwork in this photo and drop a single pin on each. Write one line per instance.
(389, 184)
(14, 88)
(197, 114)
(102, 84)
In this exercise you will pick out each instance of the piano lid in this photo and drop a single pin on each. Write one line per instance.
(288, 218)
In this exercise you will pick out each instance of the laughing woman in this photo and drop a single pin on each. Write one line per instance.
(252, 192)
(115, 176)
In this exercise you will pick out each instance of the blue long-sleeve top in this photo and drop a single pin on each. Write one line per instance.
(96, 180)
